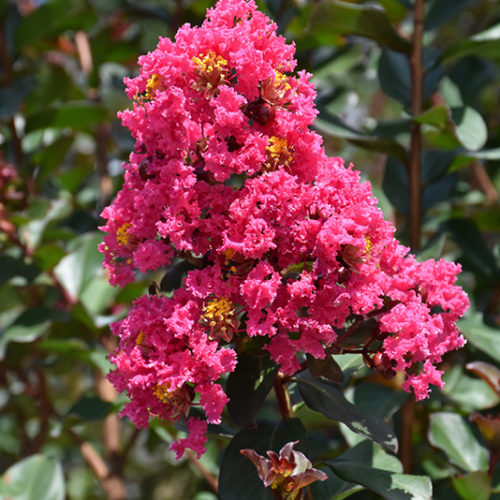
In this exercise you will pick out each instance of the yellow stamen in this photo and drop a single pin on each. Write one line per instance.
(278, 153)
(219, 316)
(154, 82)
(281, 80)
(161, 391)
(209, 63)
(212, 71)
(140, 338)
(368, 245)
(122, 234)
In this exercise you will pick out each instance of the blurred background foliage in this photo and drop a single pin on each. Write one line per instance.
(61, 147)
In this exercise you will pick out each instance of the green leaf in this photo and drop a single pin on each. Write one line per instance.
(484, 44)
(248, 386)
(394, 9)
(79, 116)
(13, 96)
(473, 245)
(488, 372)
(470, 128)
(336, 17)
(34, 478)
(329, 400)
(90, 408)
(469, 393)
(176, 272)
(390, 485)
(465, 158)
(51, 157)
(47, 256)
(332, 125)
(238, 479)
(377, 399)
(441, 11)
(79, 268)
(481, 335)
(476, 485)
(396, 185)
(327, 368)
(52, 18)
(437, 116)
(449, 432)
(27, 327)
(10, 267)
(394, 74)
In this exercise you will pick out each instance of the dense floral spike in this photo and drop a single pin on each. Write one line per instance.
(294, 248)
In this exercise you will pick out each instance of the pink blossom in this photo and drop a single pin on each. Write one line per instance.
(289, 244)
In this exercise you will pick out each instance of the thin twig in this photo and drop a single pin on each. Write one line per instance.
(208, 476)
(417, 77)
(484, 181)
(282, 395)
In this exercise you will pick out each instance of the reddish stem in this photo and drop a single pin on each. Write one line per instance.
(282, 395)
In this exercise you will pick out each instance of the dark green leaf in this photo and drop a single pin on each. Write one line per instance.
(52, 18)
(394, 75)
(77, 269)
(172, 279)
(441, 11)
(476, 485)
(29, 326)
(10, 267)
(481, 335)
(332, 125)
(396, 185)
(488, 372)
(329, 400)
(390, 485)
(450, 433)
(473, 245)
(90, 408)
(378, 400)
(248, 386)
(238, 479)
(12, 97)
(77, 116)
(333, 16)
(51, 157)
(484, 44)
(34, 478)
(470, 393)
(327, 368)
(438, 190)
(47, 256)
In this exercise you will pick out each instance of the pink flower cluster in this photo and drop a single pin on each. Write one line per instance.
(289, 244)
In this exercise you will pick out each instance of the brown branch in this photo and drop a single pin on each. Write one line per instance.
(406, 444)
(417, 76)
(84, 52)
(484, 181)
(4, 58)
(113, 487)
(209, 477)
(45, 409)
(282, 395)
